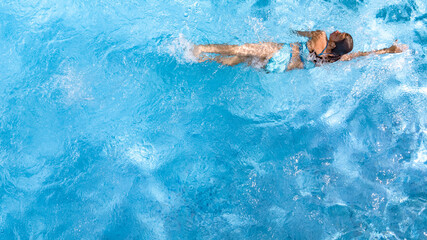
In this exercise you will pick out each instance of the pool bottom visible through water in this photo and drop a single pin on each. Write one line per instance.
(110, 130)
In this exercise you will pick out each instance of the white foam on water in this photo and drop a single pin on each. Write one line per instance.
(144, 156)
(415, 90)
(419, 158)
(182, 50)
(383, 235)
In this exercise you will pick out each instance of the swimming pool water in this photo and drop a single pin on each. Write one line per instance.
(109, 130)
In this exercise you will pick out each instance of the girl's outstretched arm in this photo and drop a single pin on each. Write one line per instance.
(395, 48)
(309, 34)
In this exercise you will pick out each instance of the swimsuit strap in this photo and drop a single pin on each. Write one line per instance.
(324, 49)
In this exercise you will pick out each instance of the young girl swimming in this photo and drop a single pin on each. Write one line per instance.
(280, 57)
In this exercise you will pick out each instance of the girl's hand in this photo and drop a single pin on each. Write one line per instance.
(346, 57)
(397, 48)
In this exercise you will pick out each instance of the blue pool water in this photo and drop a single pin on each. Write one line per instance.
(108, 129)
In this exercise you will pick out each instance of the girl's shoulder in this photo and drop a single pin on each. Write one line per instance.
(317, 41)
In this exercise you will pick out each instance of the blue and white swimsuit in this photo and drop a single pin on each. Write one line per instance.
(280, 60)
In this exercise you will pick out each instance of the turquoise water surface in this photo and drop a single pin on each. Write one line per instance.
(110, 130)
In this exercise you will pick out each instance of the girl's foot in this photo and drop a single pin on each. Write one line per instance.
(197, 50)
(397, 48)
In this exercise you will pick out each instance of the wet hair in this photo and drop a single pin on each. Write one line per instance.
(341, 47)
(344, 46)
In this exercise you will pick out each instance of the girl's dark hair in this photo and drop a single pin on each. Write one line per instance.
(344, 46)
(341, 47)
(331, 58)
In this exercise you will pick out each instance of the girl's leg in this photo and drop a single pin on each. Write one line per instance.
(226, 60)
(259, 50)
(223, 49)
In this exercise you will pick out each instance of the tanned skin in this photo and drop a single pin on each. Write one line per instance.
(395, 48)
(262, 52)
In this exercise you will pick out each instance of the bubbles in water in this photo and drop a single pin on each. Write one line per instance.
(182, 50)
(144, 156)
(72, 86)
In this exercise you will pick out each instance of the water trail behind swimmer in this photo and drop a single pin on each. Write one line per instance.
(182, 50)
